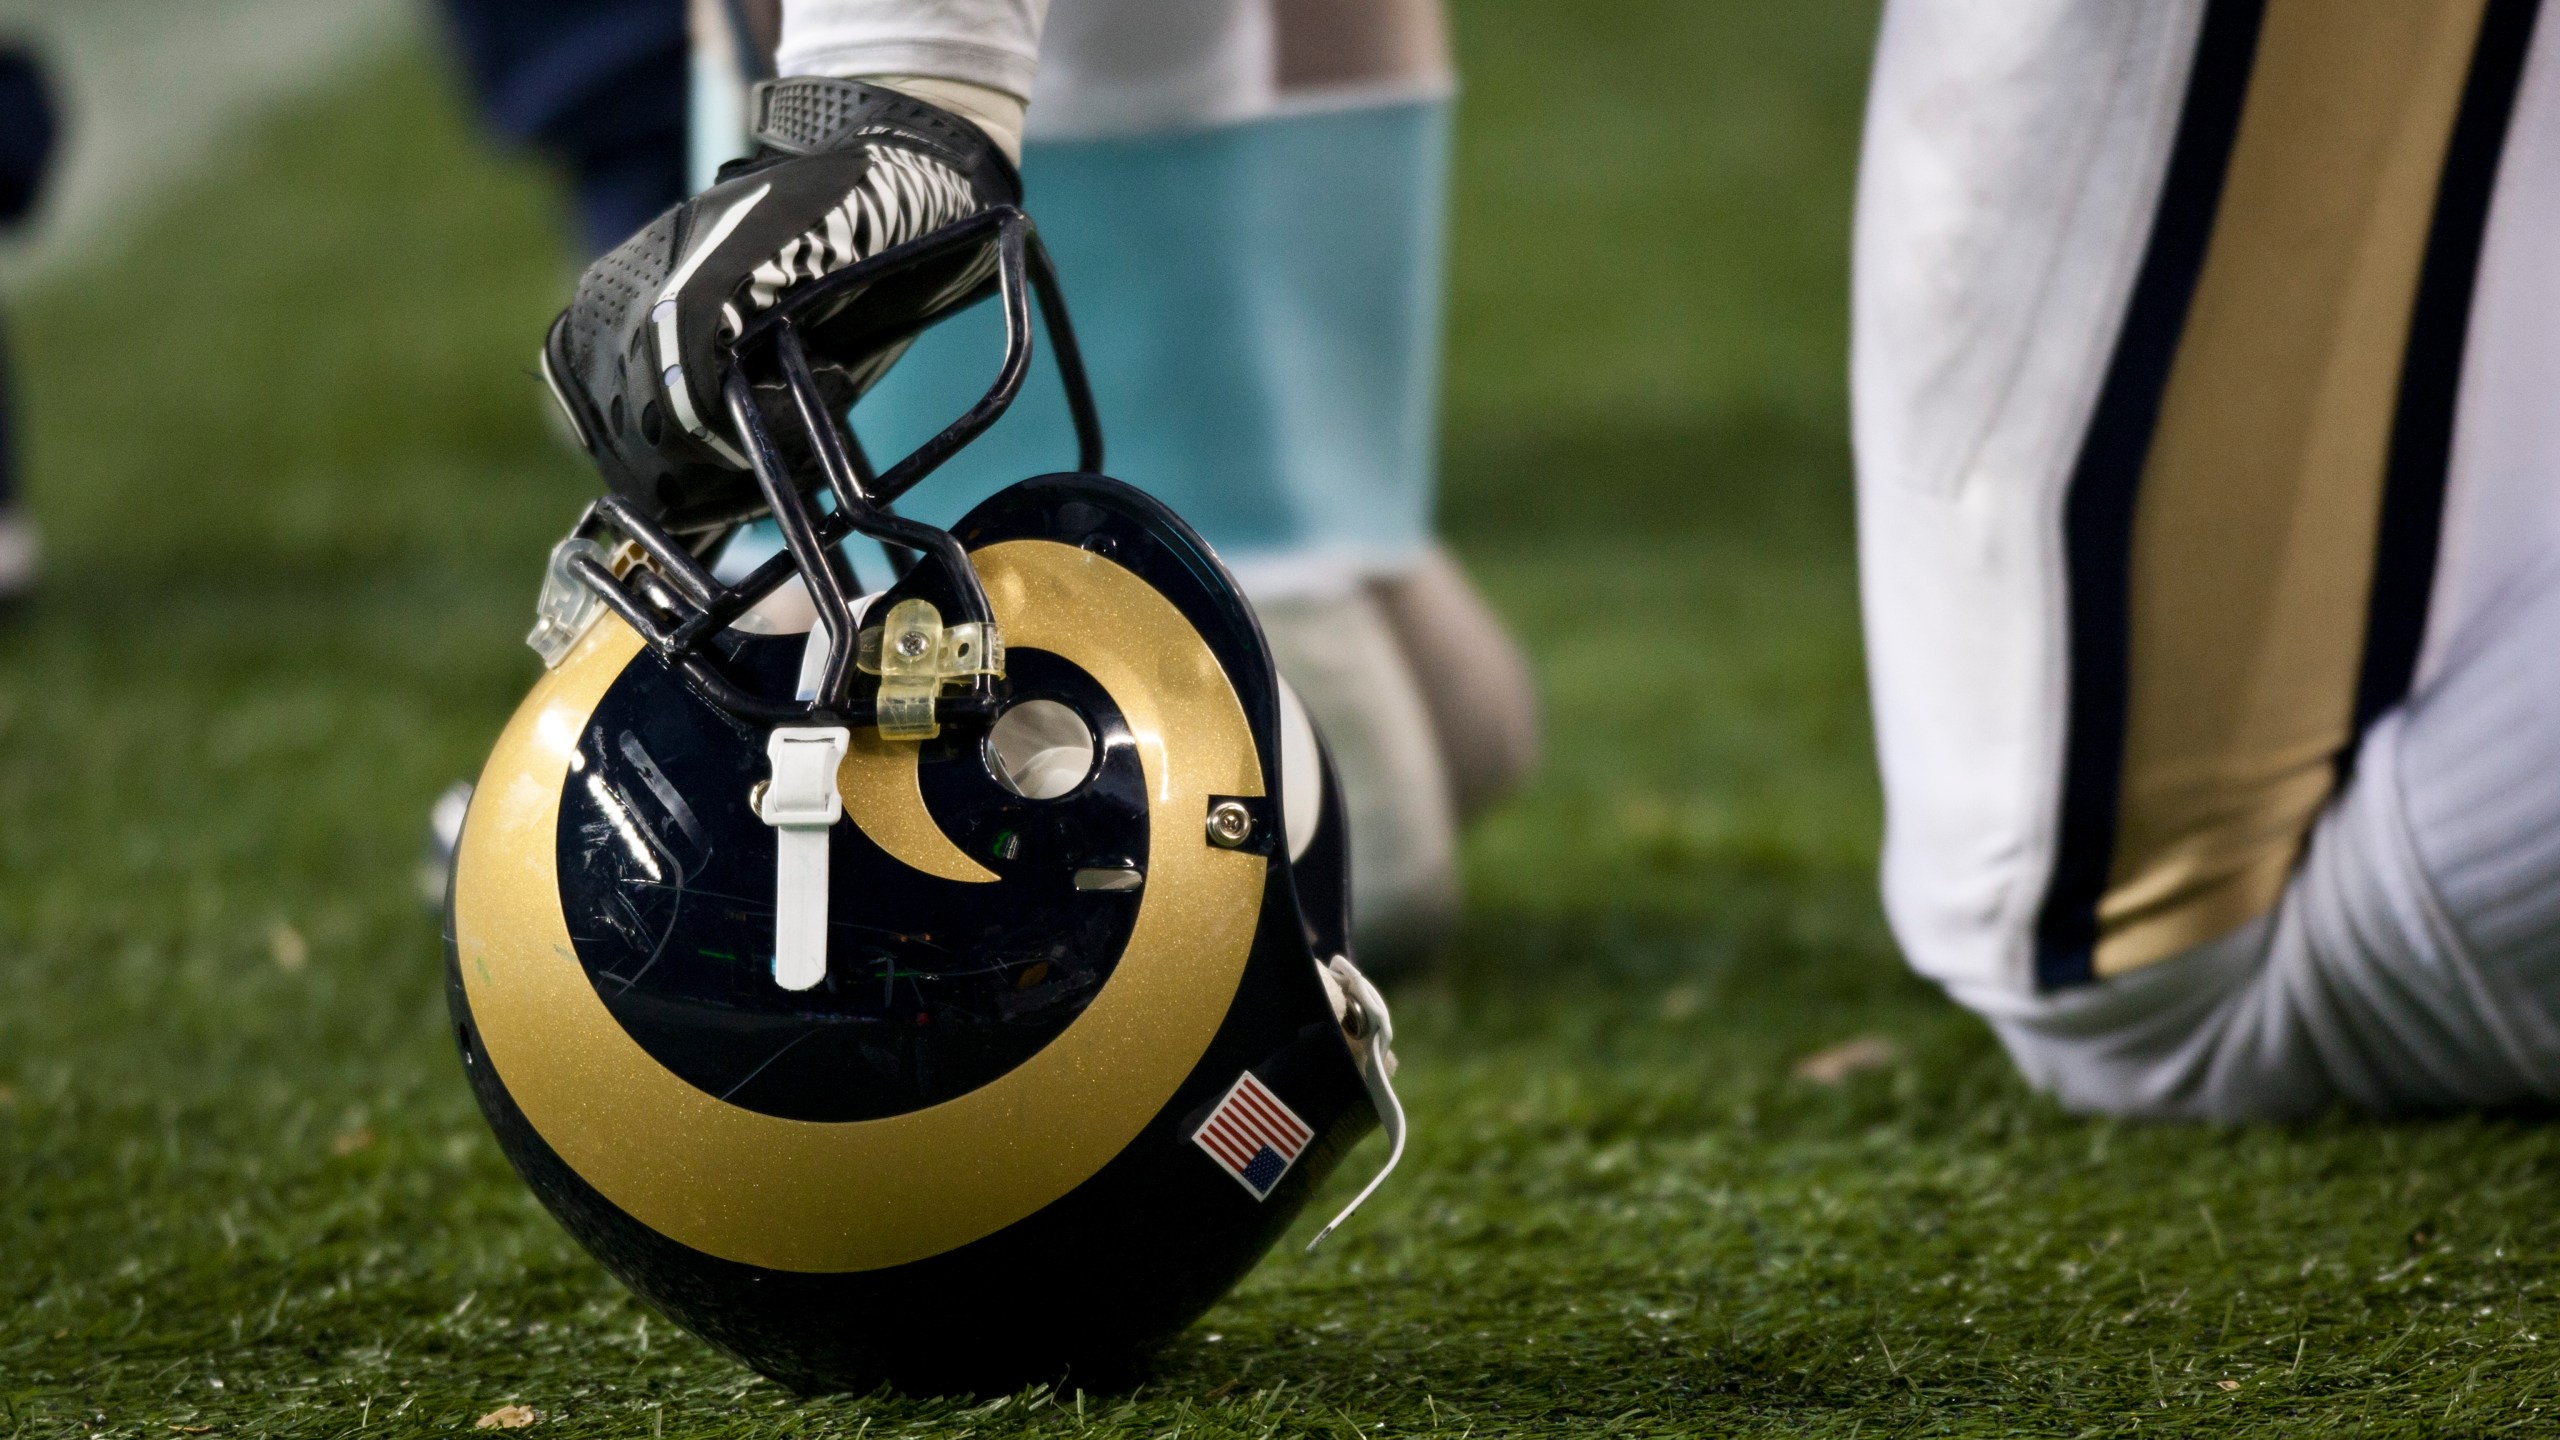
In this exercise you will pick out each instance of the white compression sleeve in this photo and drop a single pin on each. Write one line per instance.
(993, 111)
(990, 43)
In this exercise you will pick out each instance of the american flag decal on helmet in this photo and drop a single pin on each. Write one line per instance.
(1253, 1136)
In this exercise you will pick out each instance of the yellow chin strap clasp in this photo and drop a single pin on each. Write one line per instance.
(915, 655)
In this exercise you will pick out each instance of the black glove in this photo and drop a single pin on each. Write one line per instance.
(843, 171)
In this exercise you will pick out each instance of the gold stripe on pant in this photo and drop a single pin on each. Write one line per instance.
(2254, 528)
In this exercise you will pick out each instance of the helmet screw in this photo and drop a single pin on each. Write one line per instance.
(755, 797)
(911, 644)
(1230, 824)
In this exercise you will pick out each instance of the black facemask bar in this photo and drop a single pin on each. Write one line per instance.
(675, 604)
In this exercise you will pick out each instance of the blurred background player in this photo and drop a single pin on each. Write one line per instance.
(595, 86)
(2205, 358)
(27, 133)
(1247, 202)
(1245, 199)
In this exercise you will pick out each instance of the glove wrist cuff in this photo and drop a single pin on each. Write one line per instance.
(808, 114)
(804, 114)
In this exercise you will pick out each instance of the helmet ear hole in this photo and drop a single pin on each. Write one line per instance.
(1040, 750)
(653, 425)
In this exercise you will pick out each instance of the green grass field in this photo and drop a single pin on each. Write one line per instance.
(298, 486)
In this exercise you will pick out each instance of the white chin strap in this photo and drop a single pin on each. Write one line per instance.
(801, 803)
(1363, 1013)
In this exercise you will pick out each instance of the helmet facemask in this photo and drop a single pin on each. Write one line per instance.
(810, 357)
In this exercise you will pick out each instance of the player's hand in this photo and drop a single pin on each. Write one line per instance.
(843, 172)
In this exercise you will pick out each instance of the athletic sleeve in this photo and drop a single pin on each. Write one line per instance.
(993, 43)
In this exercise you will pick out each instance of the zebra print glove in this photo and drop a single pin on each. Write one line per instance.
(843, 171)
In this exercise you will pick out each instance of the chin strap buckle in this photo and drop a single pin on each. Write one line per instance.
(1363, 1014)
(568, 606)
(802, 804)
(915, 655)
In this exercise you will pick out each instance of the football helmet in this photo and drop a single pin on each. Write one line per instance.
(949, 986)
